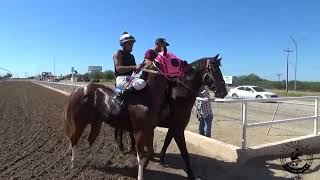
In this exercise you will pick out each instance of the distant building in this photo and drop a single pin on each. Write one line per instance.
(94, 69)
(46, 76)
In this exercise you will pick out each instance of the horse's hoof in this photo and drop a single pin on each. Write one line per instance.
(132, 150)
(191, 177)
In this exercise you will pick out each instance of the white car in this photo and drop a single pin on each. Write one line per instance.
(251, 92)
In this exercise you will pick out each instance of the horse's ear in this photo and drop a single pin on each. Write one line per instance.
(216, 57)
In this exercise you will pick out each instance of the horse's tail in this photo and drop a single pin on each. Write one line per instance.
(88, 100)
(85, 101)
(68, 122)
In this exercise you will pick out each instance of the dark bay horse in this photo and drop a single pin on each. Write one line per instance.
(207, 72)
(94, 104)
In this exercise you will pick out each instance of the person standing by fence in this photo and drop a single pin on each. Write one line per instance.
(204, 112)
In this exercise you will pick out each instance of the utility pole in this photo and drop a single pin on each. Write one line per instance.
(54, 66)
(278, 76)
(296, 64)
(287, 51)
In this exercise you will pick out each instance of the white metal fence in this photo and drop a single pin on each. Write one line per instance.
(246, 125)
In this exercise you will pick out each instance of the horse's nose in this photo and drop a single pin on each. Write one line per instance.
(225, 92)
(221, 94)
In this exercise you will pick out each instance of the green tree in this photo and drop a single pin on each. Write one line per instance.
(108, 75)
(96, 75)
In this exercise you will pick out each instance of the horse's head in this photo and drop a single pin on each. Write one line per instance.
(213, 77)
(208, 69)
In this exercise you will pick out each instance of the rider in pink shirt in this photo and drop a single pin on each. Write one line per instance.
(149, 56)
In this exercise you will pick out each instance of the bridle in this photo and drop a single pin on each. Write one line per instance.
(209, 73)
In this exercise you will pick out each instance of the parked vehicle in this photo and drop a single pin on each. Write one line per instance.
(251, 92)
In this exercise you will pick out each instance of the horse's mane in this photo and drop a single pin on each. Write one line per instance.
(200, 63)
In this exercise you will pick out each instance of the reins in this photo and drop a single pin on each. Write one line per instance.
(165, 74)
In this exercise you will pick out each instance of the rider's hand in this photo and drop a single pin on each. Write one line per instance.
(137, 69)
(147, 62)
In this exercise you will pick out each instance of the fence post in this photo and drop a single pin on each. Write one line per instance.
(316, 118)
(244, 125)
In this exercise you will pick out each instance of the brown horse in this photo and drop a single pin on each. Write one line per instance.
(94, 104)
(84, 107)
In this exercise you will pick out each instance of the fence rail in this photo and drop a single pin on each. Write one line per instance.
(245, 124)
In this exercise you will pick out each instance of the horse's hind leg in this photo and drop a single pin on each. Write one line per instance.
(166, 143)
(74, 141)
(94, 133)
(118, 134)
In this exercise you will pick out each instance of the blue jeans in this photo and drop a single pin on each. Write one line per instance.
(205, 126)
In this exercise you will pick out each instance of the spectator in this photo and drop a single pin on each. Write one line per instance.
(204, 112)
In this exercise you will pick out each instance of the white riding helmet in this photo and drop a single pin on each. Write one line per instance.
(125, 37)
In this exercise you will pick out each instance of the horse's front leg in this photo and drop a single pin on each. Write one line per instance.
(133, 142)
(149, 146)
(166, 143)
(180, 140)
(94, 133)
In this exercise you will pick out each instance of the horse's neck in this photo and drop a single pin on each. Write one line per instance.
(156, 90)
(193, 86)
(156, 87)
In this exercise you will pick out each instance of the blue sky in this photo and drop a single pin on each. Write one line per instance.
(250, 35)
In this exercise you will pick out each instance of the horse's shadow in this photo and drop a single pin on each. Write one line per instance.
(133, 171)
(204, 168)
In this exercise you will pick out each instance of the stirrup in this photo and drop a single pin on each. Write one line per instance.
(115, 98)
(119, 101)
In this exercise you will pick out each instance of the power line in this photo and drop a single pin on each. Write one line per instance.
(278, 75)
(5, 70)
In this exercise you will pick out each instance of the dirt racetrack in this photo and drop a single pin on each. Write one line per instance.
(33, 146)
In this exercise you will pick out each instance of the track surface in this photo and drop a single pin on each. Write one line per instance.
(33, 146)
